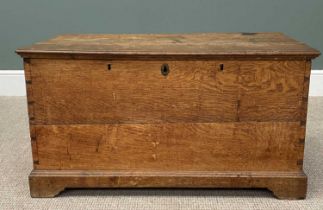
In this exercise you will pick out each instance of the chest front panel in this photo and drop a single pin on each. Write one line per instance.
(129, 115)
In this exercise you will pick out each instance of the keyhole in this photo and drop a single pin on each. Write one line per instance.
(164, 69)
(109, 66)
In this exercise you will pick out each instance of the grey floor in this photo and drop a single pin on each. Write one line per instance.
(16, 164)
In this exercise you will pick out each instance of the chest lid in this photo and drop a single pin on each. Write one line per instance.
(187, 45)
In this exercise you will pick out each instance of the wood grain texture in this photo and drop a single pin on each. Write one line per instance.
(270, 91)
(212, 44)
(45, 183)
(170, 147)
(231, 112)
(75, 91)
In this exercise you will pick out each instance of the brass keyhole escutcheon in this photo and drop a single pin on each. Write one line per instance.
(164, 69)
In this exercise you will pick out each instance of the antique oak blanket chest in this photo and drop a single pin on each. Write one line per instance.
(206, 110)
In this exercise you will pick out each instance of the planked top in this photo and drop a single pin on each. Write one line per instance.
(211, 44)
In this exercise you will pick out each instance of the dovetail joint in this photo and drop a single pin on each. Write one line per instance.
(238, 108)
(301, 141)
(27, 60)
(300, 162)
(32, 138)
(32, 134)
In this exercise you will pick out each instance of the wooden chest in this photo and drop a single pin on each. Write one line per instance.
(180, 110)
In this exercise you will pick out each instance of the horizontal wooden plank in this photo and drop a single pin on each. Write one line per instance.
(284, 185)
(172, 44)
(132, 91)
(271, 90)
(171, 146)
(85, 91)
